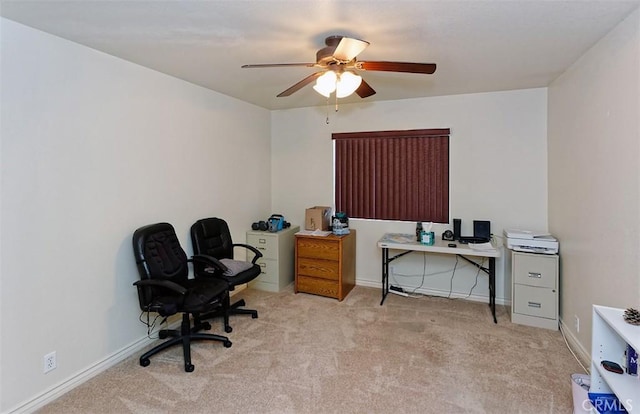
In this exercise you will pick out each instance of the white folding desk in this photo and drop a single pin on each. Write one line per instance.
(406, 244)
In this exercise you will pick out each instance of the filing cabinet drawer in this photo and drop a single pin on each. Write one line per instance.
(268, 271)
(535, 270)
(267, 244)
(317, 286)
(319, 249)
(535, 301)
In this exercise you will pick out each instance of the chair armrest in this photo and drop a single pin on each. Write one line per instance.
(255, 251)
(162, 283)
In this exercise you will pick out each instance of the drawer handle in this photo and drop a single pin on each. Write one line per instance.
(536, 275)
(534, 305)
(261, 248)
(262, 241)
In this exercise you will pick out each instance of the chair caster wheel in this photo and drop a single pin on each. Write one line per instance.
(228, 329)
(145, 362)
(206, 326)
(227, 344)
(189, 367)
(254, 316)
(163, 335)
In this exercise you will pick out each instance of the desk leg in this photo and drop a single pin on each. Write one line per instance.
(492, 287)
(385, 274)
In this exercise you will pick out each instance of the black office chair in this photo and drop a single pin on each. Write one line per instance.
(211, 237)
(165, 288)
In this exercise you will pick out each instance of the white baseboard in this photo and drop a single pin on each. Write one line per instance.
(70, 383)
(442, 293)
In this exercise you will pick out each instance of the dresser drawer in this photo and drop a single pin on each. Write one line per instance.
(267, 244)
(535, 270)
(318, 248)
(317, 286)
(535, 301)
(325, 269)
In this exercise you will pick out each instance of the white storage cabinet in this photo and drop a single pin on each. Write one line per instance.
(277, 261)
(535, 289)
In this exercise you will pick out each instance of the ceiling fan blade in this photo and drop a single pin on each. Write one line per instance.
(304, 82)
(278, 65)
(365, 90)
(426, 68)
(348, 48)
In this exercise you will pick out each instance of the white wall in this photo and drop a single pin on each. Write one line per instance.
(498, 172)
(594, 177)
(92, 148)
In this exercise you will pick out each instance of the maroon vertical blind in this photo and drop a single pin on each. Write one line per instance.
(393, 175)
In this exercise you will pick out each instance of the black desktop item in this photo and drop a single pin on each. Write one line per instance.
(482, 229)
(457, 223)
(481, 232)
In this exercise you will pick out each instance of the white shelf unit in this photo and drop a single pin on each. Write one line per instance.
(610, 336)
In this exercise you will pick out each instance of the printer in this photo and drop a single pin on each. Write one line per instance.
(531, 241)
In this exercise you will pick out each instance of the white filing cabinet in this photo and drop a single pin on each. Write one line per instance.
(277, 261)
(535, 289)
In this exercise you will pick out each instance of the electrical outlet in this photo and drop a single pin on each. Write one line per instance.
(577, 323)
(50, 362)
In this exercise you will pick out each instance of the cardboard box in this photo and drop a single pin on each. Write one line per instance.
(317, 218)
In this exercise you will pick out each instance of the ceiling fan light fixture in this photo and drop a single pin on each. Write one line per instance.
(326, 84)
(347, 84)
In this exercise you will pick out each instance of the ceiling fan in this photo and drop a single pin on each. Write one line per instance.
(339, 64)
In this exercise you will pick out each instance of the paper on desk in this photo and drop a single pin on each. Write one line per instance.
(399, 238)
(485, 247)
(314, 232)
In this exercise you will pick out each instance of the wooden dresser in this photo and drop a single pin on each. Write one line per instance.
(326, 266)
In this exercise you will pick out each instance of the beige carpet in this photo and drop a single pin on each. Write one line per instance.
(309, 354)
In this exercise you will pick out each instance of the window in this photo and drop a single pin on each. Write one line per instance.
(393, 175)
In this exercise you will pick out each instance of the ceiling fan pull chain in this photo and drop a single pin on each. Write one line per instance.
(327, 107)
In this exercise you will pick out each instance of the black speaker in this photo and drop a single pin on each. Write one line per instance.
(260, 225)
(482, 228)
(457, 223)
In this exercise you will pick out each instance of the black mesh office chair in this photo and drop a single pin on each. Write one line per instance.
(211, 237)
(165, 288)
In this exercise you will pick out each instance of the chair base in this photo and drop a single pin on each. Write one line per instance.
(184, 336)
(232, 309)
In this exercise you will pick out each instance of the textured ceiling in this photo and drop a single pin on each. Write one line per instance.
(479, 46)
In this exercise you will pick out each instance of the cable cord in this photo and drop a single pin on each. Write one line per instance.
(414, 292)
(151, 325)
(424, 274)
(451, 279)
(476, 282)
(571, 350)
